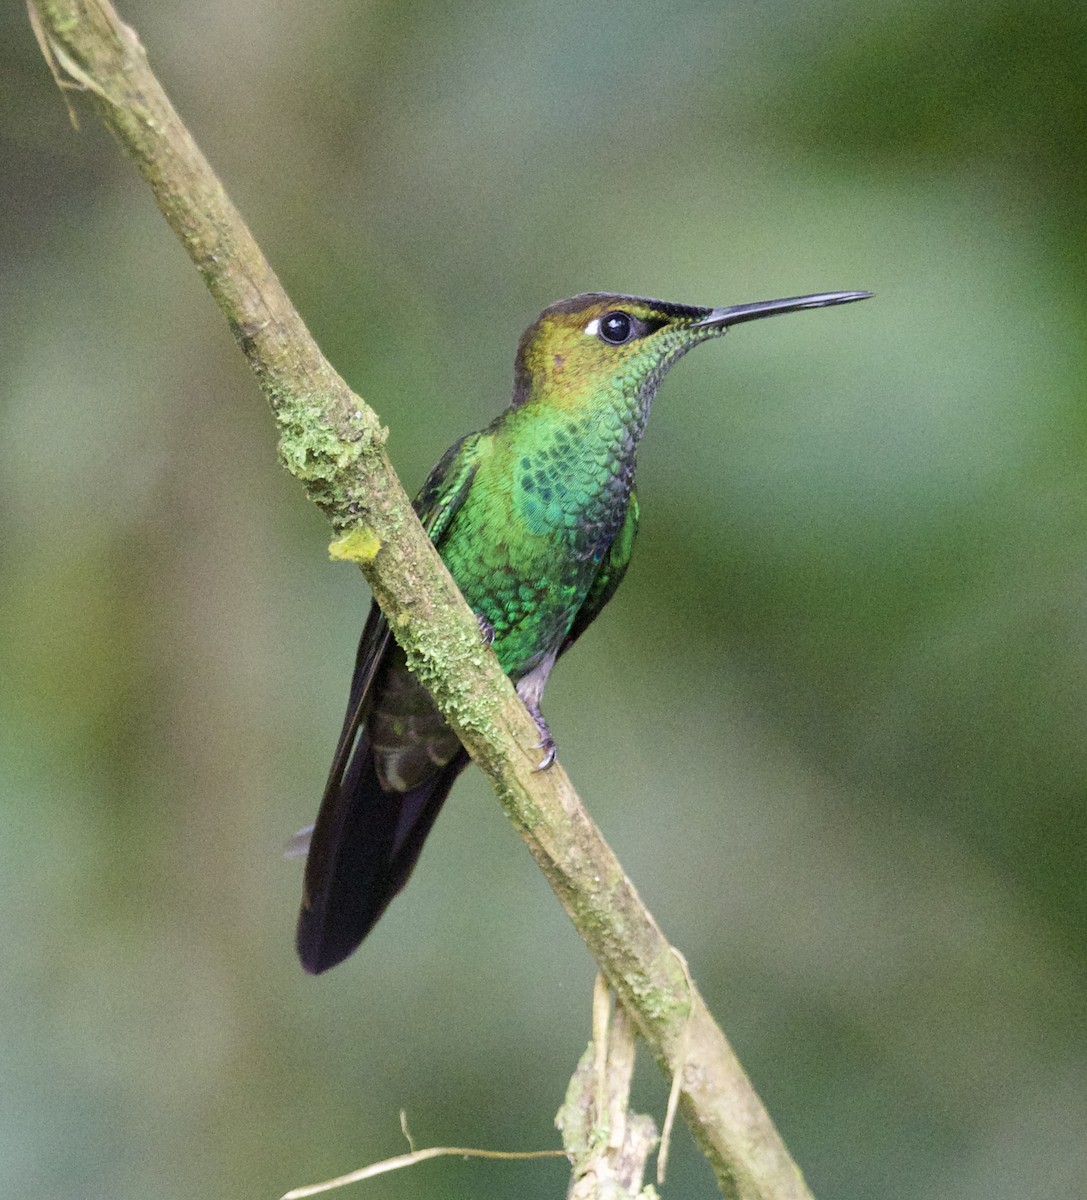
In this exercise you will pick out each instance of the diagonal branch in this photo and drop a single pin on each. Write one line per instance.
(334, 444)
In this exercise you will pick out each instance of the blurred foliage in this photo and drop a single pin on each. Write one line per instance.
(838, 707)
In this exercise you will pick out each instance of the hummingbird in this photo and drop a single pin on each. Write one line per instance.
(535, 517)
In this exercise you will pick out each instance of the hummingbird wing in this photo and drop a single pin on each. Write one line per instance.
(613, 566)
(369, 828)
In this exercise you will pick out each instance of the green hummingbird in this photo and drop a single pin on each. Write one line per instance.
(535, 518)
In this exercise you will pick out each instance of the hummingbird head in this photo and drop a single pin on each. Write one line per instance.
(602, 342)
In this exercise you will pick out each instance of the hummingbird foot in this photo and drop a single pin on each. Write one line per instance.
(486, 629)
(546, 742)
(547, 745)
(530, 689)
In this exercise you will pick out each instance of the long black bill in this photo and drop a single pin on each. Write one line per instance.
(722, 318)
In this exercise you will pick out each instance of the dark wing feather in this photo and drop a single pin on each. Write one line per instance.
(366, 838)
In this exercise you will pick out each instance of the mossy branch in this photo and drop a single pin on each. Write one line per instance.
(334, 444)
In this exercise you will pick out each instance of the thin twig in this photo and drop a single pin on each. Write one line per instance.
(410, 1160)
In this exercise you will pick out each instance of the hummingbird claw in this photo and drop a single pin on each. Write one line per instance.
(547, 745)
(546, 742)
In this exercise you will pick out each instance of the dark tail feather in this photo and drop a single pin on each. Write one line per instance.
(364, 846)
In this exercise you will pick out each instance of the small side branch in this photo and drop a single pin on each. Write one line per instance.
(608, 1146)
(334, 443)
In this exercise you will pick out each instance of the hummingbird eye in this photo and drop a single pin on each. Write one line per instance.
(615, 328)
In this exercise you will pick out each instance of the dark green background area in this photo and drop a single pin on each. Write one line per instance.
(833, 723)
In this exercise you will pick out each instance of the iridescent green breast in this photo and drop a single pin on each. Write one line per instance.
(548, 497)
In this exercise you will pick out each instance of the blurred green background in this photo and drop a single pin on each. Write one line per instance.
(833, 724)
